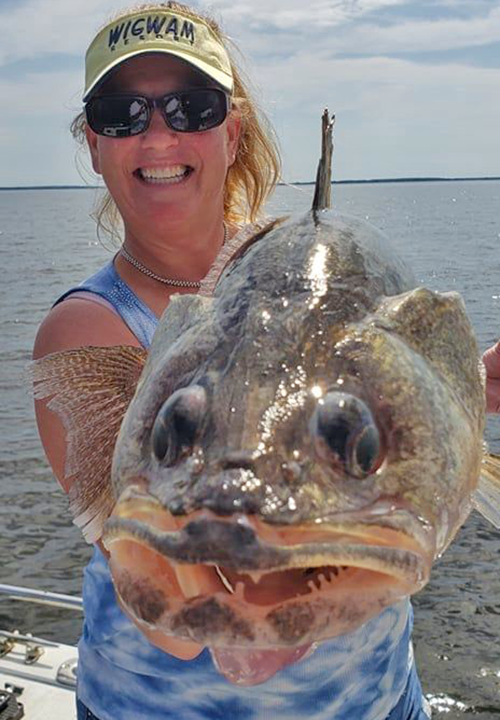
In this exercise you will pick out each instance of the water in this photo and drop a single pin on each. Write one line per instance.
(448, 232)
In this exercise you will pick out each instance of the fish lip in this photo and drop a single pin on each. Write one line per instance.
(299, 608)
(237, 544)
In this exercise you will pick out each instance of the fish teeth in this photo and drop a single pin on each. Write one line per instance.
(224, 579)
(328, 573)
(322, 581)
(256, 575)
(313, 588)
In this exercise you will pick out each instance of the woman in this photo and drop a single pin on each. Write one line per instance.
(172, 131)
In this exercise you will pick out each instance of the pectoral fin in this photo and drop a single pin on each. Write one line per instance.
(486, 498)
(90, 389)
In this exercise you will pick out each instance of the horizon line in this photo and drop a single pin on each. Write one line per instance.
(360, 181)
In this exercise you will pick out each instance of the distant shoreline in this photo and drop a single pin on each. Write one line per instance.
(374, 181)
(369, 181)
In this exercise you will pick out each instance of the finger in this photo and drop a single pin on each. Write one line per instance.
(491, 360)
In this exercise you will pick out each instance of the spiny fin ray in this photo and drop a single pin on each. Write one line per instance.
(89, 389)
(323, 190)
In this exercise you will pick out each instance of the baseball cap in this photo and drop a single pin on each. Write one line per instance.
(162, 31)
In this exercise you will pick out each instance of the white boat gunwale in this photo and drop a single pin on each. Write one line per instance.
(40, 674)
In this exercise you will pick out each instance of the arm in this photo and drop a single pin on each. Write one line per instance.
(72, 324)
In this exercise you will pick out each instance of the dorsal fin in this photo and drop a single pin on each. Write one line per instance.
(323, 190)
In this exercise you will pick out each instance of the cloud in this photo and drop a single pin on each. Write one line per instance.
(373, 37)
(316, 75)
(42, 27)
(261, 27)
(394, 117)
(289, 14)
(424, 36)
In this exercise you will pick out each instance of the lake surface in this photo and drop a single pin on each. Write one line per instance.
(449, 232)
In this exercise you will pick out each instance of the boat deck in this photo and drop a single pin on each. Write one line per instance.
(42, 686)
(36, 673)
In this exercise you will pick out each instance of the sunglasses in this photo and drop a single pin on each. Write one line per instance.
(186, 111)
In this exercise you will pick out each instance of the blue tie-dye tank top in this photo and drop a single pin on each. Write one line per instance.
(121, 676)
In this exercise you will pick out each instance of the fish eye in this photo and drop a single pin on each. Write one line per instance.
(177, 424)
(364, 452)
(345, 433)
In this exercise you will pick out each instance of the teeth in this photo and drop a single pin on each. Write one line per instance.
(200, 580)
(256, 575)
(327, 571)
(224, 579)
(172, 174)
(312, 586)
(322, 581)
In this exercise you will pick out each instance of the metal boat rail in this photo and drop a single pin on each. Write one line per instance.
(43, 597)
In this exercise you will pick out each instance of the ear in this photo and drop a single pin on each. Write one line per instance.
(233, 129)
(92, 142)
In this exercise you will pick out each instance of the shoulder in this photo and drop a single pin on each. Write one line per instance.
(78, 322)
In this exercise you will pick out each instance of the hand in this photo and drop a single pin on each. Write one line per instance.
(491, 360)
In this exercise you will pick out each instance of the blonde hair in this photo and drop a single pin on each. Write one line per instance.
(257, 166)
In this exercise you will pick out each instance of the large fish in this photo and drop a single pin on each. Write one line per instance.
(301, 443)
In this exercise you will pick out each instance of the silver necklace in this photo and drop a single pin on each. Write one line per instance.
(166, 281)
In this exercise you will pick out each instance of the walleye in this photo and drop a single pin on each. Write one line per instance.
(301, 442)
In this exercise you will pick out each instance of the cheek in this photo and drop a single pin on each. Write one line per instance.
(214, 146)
(111, 156)
(108, 152)
(218, 152)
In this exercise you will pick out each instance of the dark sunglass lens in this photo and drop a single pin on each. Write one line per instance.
(118, 116)
(176, 113)
(195, 110)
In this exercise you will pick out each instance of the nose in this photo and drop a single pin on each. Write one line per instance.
(158, 132)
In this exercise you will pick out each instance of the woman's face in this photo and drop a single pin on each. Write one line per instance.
(162, 179)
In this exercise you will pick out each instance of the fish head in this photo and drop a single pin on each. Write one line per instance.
(301, 446)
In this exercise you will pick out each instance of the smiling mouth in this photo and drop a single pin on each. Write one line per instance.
(171, 175)
(247, 573)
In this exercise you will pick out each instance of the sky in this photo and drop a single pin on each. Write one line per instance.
(415, 86)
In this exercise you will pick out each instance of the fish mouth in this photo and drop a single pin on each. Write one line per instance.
(239, 581)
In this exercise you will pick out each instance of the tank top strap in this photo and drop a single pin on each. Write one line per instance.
(106, 283)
